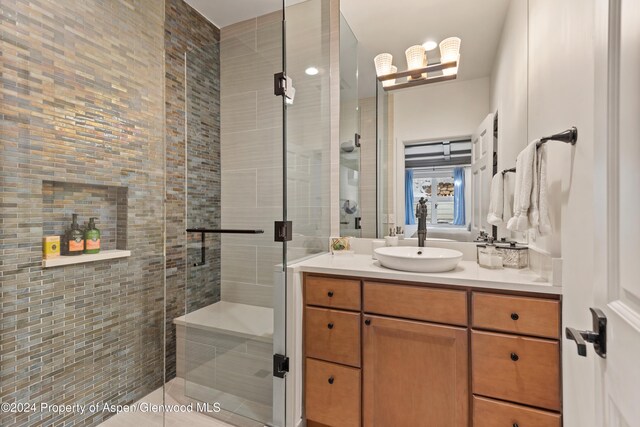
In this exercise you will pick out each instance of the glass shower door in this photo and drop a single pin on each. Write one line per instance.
(234, 317)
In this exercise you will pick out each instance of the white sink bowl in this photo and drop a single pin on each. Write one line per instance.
(419, 260)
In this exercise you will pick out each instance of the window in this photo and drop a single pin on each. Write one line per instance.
(437, 186)
(437, 170)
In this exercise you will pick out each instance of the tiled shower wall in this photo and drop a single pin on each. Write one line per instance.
(82, 120)
(251, 53)
(252, 141)
(81, 102)
(368, 165)
(192, 99)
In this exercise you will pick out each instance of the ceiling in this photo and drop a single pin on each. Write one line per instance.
(227, 12)
(384, 26)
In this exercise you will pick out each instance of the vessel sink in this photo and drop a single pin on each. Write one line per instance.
(420, 260)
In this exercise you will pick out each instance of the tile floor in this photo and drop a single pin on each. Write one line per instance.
(175, 395)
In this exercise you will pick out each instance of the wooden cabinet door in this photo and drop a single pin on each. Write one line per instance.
(414, 374)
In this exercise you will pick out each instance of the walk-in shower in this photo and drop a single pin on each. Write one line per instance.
(254, 164)
(163, 120)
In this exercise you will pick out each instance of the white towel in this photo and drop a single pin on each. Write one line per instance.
(526, 175)
(499, 205)
(544, 223)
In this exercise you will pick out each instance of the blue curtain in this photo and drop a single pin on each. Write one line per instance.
(458, 197)
(409, 216)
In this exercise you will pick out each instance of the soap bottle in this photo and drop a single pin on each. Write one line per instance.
(75, 238)
(92, 238)
(489, 256)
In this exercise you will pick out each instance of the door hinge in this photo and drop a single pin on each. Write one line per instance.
(283, 231)
(280, 365)
(283, 86)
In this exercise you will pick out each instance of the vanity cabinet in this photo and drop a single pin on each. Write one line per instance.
(387, 354)
(414, 373)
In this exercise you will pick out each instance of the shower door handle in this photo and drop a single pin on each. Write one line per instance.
(204, 231)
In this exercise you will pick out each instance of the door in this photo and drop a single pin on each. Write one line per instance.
(617, 287)
(231, 340)
(414, 374)
(612, 382)
(482, 149)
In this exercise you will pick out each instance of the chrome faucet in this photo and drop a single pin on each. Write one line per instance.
(421, 214)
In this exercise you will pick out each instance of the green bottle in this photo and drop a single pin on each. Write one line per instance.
(75, 238)
(92, 238)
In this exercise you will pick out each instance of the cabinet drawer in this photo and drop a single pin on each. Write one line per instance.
(518, 369)
(415, 302)
(332, 293)
(492, 413)
(332, 335)
(521, 315)
(332, 394)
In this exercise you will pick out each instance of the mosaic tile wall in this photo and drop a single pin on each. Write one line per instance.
(82, 120)
(187, 32)
(81, 102)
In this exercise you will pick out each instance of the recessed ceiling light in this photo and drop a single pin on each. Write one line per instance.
(430, 45)
(311, 71)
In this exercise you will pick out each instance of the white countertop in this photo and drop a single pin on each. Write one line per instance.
(468, 273)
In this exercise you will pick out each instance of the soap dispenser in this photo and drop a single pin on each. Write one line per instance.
(74, 238)
(92, 238)
(489, 256)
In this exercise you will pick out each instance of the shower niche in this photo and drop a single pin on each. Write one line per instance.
(107, 203)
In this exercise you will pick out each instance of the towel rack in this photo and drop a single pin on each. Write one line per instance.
(569, 136)
(204, 231)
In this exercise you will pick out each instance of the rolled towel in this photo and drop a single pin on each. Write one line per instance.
(526, 171)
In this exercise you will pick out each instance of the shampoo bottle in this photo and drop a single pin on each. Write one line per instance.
(75, 238)
(92, 238)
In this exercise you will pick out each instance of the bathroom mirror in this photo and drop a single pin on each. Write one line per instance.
(440, 134)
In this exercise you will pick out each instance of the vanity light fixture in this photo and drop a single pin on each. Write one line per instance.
(419, 71)
(311, 71)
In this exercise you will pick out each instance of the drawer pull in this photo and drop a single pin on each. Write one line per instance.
(367, 322)
(330, 325)
(515, 425)
(514, 357)
(330, 294)
(331, 379)
(514, 316)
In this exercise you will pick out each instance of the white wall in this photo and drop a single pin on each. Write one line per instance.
(509, 90)
(509, 86)
(440, 110)
(436, 111)
(561, 94)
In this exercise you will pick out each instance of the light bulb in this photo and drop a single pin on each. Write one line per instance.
(311, 71)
